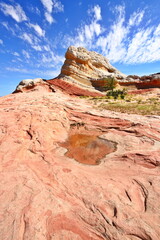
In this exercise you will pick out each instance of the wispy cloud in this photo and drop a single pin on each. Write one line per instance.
(49, 17)
(34, 10)
(11, 29)
(35, 72)
(113, 44)
(87, 33)
(96, 10)
(136, 18)
(32, 40)
(48, 4)
(16, 11)
(127, 40)
(16, 54)
(25, 54)
(1, 41)
(52, 58)
(17, 69)
(37, 29)
(28, 38)
(57, 6)
(37, 47)
(52, 6)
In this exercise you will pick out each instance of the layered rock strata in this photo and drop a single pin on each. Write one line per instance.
(50, 85)
(47, 192)
(144, 82)
(82, 66)
(88, 69)
(85, 73)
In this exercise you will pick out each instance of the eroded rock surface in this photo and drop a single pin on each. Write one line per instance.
(144, 82)
(45, 194)
(81, 66)
(89, 70)
(84, 73)
(28, 84)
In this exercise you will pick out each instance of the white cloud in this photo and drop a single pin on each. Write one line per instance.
(37, 47)
(37, 29)
(7, 26)
(144, 47)
(47, 48)
(58, 6)
(32, 40)
(87, 33)
(16, 12)
(97, 12)
(1, 41)
(52, 58)
(16, 54)
(41, 73)
(34, 10)
(52, 6)
(27, 37)
(122, 44)
(136, 18)
(49, 17)
(125, 40)
(14, 69)
(113, 43)
(26, 54)
(48, 4)
(157, 31)
(91, 30)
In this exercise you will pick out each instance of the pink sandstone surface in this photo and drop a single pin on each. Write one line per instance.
(47, 191)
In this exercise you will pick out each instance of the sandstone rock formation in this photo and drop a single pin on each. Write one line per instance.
(28, 84)
(72, 89)
(144, 82)
(87, 70)
(82, 66)
(71, 172)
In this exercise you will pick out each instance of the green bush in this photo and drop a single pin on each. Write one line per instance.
(117, 93)
(110, 83)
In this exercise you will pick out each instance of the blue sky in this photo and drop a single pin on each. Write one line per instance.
(34, 36)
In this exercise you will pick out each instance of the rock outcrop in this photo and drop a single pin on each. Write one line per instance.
(69, 171)
(50, 85)
(82, 66)
(89, 70)
(28, 84)
(144, 82)
(85, 73)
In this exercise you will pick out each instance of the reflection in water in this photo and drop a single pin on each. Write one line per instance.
(88, 149)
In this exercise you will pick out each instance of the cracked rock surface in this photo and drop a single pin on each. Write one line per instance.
(45, 194)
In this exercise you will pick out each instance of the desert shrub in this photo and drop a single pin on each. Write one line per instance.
(110, 83)
(117, 93)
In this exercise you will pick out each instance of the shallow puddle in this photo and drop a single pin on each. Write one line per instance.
(88, 149)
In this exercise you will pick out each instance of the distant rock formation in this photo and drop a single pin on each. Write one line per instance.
(82, 66)
(144, 82)
(88, 69)
(84, 72)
